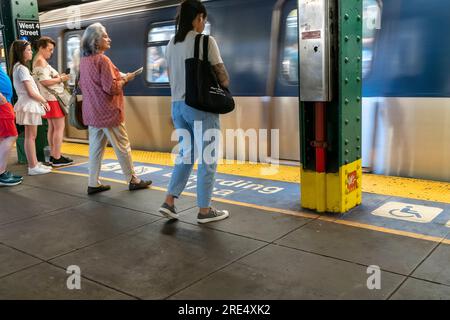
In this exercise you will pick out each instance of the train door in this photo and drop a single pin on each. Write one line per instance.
(285, 92)
(71, 62)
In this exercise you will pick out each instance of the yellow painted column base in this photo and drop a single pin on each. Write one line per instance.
(332, 192)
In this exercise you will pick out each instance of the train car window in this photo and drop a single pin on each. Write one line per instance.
(371, 23)
(164, 33)
(289, 62)
(158, 38)
(156, 64)
(2, 53)
(73, 56)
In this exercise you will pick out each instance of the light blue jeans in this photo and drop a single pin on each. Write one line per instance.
(191, 125)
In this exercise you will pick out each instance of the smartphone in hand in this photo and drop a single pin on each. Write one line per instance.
(138, 71)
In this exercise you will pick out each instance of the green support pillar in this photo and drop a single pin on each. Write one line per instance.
(20, 20)
(331, 168)
(14, 12)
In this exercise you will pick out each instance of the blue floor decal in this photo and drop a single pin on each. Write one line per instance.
(262, 192)
(281, 195)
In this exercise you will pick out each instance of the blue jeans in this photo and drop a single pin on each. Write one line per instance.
(191, 125)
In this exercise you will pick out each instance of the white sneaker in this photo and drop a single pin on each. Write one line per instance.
(40, 164)
(38, 170)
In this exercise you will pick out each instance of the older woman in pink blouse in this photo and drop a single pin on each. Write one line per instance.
(102, 87)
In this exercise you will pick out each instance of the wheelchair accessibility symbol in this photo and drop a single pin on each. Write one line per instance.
(407, 212)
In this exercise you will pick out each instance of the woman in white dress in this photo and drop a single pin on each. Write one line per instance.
(30, 106)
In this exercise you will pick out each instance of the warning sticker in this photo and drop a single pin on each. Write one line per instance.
(311, 35)
(352, 181)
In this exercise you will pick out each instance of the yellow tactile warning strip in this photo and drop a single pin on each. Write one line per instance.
(257, 170)
(391, 186)
(407, 188)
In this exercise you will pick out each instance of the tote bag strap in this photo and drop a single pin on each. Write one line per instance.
(205, 48)
(197, 46)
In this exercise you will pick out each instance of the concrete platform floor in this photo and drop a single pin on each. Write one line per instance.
(126, 250)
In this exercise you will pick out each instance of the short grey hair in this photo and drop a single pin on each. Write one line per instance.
(91, 37)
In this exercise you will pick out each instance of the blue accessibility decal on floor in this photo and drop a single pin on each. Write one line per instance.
(416, 216)
(262, 192)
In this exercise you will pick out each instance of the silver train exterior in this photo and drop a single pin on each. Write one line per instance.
(406, 83)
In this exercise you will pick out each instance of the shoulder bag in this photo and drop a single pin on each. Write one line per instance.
(203, 91)
(63, 99)
(75, 108)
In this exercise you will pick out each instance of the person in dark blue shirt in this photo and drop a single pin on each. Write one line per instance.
(8, 131)
(5, 86)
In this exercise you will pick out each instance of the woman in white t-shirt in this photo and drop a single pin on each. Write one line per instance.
(30, 105)
(190, 21)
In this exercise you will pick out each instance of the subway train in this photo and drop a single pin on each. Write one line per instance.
(406, 78)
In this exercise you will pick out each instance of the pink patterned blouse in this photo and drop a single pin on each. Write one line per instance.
(102, 90)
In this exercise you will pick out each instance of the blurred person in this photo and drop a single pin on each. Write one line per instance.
(30, 105)
(102, 88)
(8, 131)
(190, 21)
(158, 66)
(74, 66)
(47, 78)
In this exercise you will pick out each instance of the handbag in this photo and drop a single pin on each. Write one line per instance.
(63, 99)
(203, 91)
(75, 108)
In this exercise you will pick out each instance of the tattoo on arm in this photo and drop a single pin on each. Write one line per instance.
(222, 75)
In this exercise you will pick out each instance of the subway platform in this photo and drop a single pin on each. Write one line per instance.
(269, 248)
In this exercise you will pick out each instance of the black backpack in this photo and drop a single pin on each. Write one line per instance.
(203, 91)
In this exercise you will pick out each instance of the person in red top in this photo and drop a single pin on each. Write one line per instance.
(8, 131)
(102, 85)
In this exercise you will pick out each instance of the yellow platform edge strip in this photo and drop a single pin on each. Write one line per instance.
(385, 185)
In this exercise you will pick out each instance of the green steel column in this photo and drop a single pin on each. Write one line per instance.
(339, 188)
(14, 10)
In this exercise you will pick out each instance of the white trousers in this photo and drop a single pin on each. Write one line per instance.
(98, 139)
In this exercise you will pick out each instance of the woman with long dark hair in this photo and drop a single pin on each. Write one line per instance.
(30, 105)
(190, 21)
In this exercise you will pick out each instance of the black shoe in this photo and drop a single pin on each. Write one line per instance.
(144, 184)
(170, 212)
(100, 188)
(62, 161)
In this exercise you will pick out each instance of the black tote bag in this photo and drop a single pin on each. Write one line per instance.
(203, 91)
